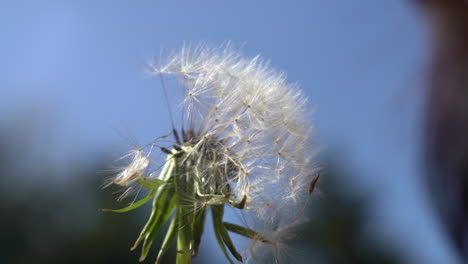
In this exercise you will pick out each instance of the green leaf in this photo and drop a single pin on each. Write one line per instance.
(132, 206)
(168, 239)
(244, 231)
(151, 183)
(221, 233)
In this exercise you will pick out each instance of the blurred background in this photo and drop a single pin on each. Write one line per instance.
(74, 96)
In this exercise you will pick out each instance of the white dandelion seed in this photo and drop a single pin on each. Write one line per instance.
(133, 171)
(246, 140)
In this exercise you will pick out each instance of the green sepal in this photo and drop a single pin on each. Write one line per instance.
(239, 205)
(166, 174)
(244, 231)
(222, 236)
(165, 206)
(198, 227)
(151, 183)
(168, 239)
(153, 217)
(132, 206)
(218, 236)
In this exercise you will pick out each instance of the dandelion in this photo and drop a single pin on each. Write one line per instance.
(244, 141)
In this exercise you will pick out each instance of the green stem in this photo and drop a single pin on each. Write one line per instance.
(183, 241)
(183, 184)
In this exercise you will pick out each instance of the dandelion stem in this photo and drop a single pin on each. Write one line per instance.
(183, 184)
(183, 240)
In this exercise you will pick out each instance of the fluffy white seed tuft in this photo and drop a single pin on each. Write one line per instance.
(247, 134)
(134, 170)
(261, 123)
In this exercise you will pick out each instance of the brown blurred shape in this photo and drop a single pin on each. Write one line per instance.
(447, 116)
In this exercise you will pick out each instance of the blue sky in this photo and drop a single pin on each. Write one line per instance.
(81, 65)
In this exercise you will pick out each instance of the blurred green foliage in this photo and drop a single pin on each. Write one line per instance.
(49, 226)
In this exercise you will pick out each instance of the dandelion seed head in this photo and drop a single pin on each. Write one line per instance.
(246, 135)
(248, 120)
(260, 119)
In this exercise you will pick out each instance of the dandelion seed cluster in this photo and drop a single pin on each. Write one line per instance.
(245, 139)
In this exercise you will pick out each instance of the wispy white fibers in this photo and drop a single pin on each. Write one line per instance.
(245, 141)
(260, 125)
(133, 171)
